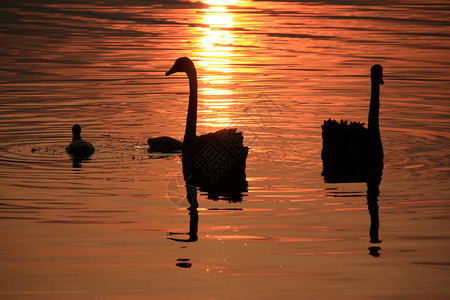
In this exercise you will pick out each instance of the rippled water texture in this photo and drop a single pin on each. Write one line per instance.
(113, 228)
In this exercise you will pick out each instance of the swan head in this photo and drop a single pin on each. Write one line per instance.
(76, 132)
(376, 73)
(183, 64)
(76, 129)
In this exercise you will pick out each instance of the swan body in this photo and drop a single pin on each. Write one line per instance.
(78, 147)
(352, 152)
(164, 144)
(214, 161)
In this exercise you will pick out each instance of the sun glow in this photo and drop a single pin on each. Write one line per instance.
(221, 2)
(216, 45)
(215, 51)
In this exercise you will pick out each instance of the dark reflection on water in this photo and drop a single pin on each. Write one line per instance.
(191, 195)
(229, 185)
(227, 188)
(76, 162)
(372, 194)
(372, 203)
(183, 263)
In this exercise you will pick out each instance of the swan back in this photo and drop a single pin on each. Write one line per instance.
(216, 163)
(164, 144)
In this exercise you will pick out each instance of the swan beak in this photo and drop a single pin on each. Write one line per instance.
(171, 71)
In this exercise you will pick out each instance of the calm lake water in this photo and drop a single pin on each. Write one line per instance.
(273, 69)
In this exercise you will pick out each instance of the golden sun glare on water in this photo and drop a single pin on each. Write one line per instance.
(215, 53)
(221, 2)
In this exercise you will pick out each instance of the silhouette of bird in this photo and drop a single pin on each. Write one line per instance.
(164, 144)
(79, 148)
(351, 152)
(213, 161)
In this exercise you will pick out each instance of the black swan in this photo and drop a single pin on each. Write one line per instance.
(164, 144)
(215, 162)
(351, 152)
(79, 148)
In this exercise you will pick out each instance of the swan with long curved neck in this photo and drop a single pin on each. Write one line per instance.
(212, 158)
(350, 151)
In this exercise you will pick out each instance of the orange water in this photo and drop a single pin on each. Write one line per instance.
(273, 69)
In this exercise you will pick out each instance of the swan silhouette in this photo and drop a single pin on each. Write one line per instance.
(215, 161)
(79, 148)
(164, 144)
(351, 152)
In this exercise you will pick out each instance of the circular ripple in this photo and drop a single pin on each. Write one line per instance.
(29, 153)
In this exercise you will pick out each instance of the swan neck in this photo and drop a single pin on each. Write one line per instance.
(76, 136)
(375, 145)
(191, 120)
(374, 109)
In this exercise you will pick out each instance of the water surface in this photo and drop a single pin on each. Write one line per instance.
(273, 69)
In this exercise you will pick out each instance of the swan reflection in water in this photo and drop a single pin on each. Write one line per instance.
(214, 192)
(353, 153)
(191, 195)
